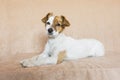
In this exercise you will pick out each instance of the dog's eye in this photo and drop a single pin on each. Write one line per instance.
(48, 23)
(58, 24)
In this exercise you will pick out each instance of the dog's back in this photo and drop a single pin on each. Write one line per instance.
(84, 48)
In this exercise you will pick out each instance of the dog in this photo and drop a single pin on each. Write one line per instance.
(60, 47)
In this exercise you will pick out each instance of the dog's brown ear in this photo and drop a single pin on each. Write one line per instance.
(46, 17)
(65, 22)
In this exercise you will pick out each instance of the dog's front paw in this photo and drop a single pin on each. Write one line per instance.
(26, 63)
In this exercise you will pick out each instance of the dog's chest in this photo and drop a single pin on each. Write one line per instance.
(55, 46)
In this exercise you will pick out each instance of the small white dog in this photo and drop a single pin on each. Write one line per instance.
(60, 47)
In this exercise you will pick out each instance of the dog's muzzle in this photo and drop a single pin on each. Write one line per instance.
(50, 30)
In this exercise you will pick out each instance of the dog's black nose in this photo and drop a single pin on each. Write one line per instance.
(50, 30)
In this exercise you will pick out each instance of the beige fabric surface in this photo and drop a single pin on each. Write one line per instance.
(100, 68)
(22, 35)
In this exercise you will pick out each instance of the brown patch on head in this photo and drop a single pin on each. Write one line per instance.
(60, 23)
(46, 17)
(57, 24)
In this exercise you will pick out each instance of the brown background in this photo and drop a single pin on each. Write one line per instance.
(21, 29)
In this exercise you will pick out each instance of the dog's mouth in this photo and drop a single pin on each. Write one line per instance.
(50, 34)
(53, 34)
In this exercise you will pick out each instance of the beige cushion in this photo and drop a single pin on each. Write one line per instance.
(97, 68)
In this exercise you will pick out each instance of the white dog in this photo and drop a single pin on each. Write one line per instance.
(60, 47)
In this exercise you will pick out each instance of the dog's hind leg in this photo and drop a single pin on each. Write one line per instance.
(61, 56)
(97, 50)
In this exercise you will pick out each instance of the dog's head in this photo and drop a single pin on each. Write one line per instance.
(55, 24)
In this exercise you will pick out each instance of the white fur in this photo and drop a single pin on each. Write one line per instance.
(75, 49)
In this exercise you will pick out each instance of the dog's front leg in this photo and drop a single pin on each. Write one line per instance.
(34, 61)
(56, 58)
(48, 60)
(39, 61)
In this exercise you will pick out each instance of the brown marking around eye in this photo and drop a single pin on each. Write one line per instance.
(59, 29)
(57, 24)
